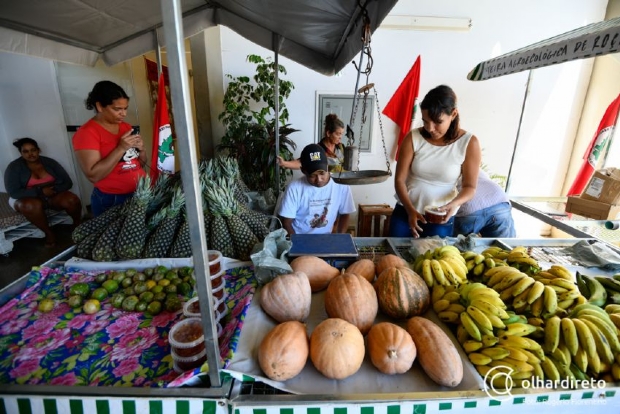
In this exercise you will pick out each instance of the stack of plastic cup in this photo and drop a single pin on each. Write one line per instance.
(191, 309)
(187, 344)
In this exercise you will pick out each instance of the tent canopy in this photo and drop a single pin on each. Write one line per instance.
(593, 40)
(323, 35)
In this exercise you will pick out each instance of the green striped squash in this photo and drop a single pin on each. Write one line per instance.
(402, 293)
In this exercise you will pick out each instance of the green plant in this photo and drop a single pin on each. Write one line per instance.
(249, 117)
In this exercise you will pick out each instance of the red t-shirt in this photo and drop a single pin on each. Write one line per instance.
(124, 177)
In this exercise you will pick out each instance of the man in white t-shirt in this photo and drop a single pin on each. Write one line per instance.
(312, 204)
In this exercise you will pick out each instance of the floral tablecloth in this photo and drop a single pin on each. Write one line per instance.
(111, 347)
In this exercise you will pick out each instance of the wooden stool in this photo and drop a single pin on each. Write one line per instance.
(370, 218)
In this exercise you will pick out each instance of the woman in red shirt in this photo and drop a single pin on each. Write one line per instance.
(110, 154)
(35, 183)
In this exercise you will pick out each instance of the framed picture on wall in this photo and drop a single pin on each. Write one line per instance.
(342, 105)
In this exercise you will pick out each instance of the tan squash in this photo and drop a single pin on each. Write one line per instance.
(387, 261)
(319, 272)
(391, 348)
(283, 352)
(352, 298)
(436, 352)
(363, 267)
(402, 293)
(287, 297)
(336, 348)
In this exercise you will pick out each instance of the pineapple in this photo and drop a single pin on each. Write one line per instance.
(96, 224)
(160, 241)
(254, 222)
(182, 244)
(219, 236)
(133, 234)
(104, 249)
(230, 169)
(85, 247)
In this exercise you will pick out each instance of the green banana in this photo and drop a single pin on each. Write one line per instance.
(581, 285)
(613, 297)
(609, 282)
(598, 294)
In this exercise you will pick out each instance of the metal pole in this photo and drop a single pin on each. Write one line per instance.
(186, 149)
(514, 150)
(158, 53)
(276, 92)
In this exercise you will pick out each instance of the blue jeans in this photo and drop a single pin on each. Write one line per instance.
(399, 225)
(494, 221)
(100, 201)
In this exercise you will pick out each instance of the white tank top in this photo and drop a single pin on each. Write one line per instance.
(435, 171)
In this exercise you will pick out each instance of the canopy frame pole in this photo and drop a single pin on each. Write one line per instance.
(276, 106)
(514, 150)
(186, 148)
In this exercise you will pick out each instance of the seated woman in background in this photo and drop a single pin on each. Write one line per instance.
(35, 183)
(488, 213)
(331, 143)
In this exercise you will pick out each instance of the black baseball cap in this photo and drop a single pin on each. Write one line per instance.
(313, 158)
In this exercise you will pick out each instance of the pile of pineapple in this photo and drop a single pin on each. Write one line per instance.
(153, 223)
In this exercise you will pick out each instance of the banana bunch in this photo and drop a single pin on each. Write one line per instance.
(478, 263)
(519, 258)
(592, 289)
(444, 266)
(519, 290)
(446, 303)
(568, 294)
(612, 288)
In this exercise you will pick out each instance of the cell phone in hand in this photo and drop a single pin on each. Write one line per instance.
(136, 130)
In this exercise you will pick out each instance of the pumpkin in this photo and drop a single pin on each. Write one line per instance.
(387, 261)
(391, 348)
(287, 297)
(437, 354)
(402, 293)
(336, 348)
(352, 298)
(283, 352)
(319, 272)
(363, 267)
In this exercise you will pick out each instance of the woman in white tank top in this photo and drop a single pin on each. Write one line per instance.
(431, 160)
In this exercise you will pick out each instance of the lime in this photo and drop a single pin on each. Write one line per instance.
(75, 301)
(128, 291)
(158, 276)
(157, 289)
(92, 306)
(150, 284)
(186, 271)
(46, 305)
(130, 272)
(140, 287)
(130, 302)
(176, 281)
(184, 288)
(170, 289)
(117, 300)
(139, 277)
(173, 304)
(126, 282)
(100, 294)
(111, 286)
(159, 296)
(141, 306)
(101, 277)
(171, 274)
(154, 307)
(119, 276)
(149, 271)
(161, 269)
(81, 289)
(147, 297)
(163, 282)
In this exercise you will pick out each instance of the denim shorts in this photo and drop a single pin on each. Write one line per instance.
(399, 225)
(494, 221)
(100, 201)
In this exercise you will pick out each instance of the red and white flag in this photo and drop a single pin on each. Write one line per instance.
(403, 105)
(597, 150)
(162, 159)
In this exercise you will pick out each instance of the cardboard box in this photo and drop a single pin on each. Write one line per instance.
(604, 187)
(592, 209)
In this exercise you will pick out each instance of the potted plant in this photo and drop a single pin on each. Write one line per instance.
(249, 117)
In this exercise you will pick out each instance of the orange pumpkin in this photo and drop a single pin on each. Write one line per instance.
(387, 261)
(363, 267)
(287, 297)
(283, 352)
(319, 272)
(391, 348)
(337, 348)
(402, 293)
(352, 298)
(436, 352)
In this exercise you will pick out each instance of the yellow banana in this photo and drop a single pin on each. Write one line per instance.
(456, 308)
(594, 362)
(563, 369)
(489, 308)
(527, 260)
(535, 291)
(441, 305)
(448, 249)
(492, 250)
(480, 318)
(520, 301)
(522, 375)
(470, 326)
(538, 371)
(427, 273)
(550, 303)
(559, 356)
(561, 271)
(602, 346)
(615, 318)
(469, 254)
(565, 304)
(521, 342)
(449, 272)
(471, 346)
(483, 370)
(486, 291)
(581, 359)
(461, 334)
(437, 292)
(517, 329)
(536, 307)
(470, 264)
(497, 274)
(610, 332)
(550, 370)
(479, 269)
(452, 297)
(509, 281)
(586, 340)
(495, 352)
(523, 285)
(566, 284)
(489, 340)
(564, 350)
(438, 273)
(552, 333)
(459, 267)
(479, 359)
(516, 353)
(518, 366)
(545, 275)
(531, 358)
(489, 263)
(479, 258)
(612, 308)
(536, 321)
(569, 335)
(447, 316)
(569, 295)
(615, 371)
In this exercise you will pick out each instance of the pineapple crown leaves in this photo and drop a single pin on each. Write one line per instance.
(220, 196)
(156, 218)
(143, 190)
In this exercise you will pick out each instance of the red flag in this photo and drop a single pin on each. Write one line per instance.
(598, 148)
(401, 107)
(162, 159)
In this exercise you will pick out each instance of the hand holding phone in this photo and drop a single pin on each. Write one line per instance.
(136, 130)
